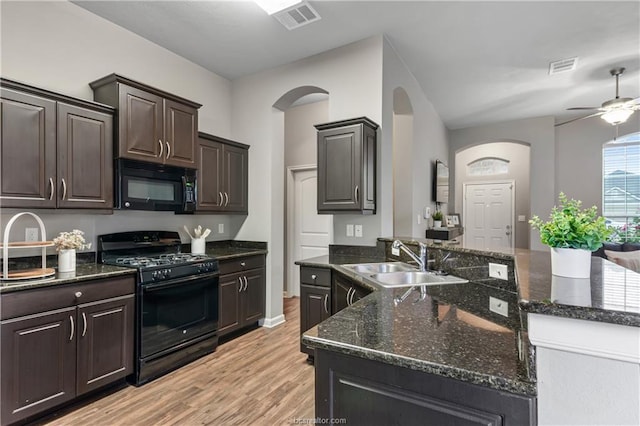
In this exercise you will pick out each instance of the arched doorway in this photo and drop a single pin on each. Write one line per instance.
(306, 234)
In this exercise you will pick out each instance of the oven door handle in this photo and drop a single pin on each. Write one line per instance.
(178, 282)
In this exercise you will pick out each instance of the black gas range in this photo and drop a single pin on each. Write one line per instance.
(176, 300)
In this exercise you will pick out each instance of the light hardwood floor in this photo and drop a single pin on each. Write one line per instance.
(260, 378)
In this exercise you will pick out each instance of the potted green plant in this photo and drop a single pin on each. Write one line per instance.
(437, 219)
(572, 233)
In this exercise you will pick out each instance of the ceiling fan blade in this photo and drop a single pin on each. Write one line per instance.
(581, 108)
(579, 118)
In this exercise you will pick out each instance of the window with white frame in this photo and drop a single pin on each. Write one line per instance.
(621, 186)
(488, 166)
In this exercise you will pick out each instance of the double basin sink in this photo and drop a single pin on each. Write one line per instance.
(399, 274)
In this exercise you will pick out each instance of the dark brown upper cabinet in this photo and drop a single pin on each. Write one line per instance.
(347, 166)
(154, 125)
(57, 151)
(222, 175)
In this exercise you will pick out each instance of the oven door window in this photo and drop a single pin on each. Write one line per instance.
(176, 312)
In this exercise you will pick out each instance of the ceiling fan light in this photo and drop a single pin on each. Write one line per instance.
(617, 116)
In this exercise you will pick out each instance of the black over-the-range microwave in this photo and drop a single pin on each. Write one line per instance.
(148, 186)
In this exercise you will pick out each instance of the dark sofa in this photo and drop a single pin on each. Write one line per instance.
(616, 247)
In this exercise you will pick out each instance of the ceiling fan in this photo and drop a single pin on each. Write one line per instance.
(614, 111)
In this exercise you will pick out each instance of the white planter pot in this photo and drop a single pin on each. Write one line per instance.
(572, 263)
(437, 223)
(67, 260)
(571, 291)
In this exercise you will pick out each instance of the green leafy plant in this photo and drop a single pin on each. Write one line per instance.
(569, 226)
(437, 215)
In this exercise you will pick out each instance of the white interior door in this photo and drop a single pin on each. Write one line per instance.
(488, 215)
(309, 233)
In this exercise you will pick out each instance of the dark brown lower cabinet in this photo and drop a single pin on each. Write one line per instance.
(315, 307)
(242, 293)
(345, 292)
(82, 341)
(364, 392)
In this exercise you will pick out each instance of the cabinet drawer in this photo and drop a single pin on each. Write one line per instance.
(28, 302)
(241, 264)
(315, 276)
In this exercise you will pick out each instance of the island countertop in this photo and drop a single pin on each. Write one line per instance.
(453, 333)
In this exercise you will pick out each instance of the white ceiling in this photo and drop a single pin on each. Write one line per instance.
(478, 62)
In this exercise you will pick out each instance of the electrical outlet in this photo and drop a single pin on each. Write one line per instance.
(31, 234)
(498, 306)
(419, 219)
(221, 228)
(427, 212)
(522, 218)
(350, 230)
(358, 231)
(395, 251)
(498, 271)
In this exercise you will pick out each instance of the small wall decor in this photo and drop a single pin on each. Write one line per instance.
(453, 220)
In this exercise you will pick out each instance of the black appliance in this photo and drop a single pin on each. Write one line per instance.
(150, 186)
(176, 299)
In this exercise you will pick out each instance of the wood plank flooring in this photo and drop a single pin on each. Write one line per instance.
(260, 378)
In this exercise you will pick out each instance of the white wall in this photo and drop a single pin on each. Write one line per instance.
(352, 75)
(402, 175)
(579, 157)
(429, 143)
(539, 133)
(61, 47)
(518, 156)
(301, 146)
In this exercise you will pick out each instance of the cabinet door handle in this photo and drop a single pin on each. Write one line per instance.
(221, 199)
(168, 149)
(326, 300)
(241, 284)
(53, 188)
(161, 148)
(349, 294)
(64, 189)
(246, 283)
(84, 327)
(353, 293)
(226, 197)
(357, 193)
(73, 328)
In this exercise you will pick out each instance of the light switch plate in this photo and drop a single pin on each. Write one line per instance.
(350, 230)
(31, 234)
(498, 306)
(221, 228)
(522, 218)
(358, 231)
(395, 251)
(498, 271)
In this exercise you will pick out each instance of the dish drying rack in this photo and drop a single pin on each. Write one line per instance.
(24, 274)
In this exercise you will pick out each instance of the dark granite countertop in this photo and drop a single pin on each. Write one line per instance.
(611, 294)
(83, 272)
(452, 332)
(87, 269)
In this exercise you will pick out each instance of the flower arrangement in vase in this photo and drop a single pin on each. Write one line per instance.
(66, 245)
(572, 233)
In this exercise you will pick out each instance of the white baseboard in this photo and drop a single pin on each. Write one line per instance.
(272, 322)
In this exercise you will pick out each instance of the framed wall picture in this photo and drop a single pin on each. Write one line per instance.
(453, 220)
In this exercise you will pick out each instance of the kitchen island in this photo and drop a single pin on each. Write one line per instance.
(452, 340)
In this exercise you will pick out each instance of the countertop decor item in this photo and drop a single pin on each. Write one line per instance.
(198, 242)
(66, 244)
(437, 219)
(24, 274)
(572, 233)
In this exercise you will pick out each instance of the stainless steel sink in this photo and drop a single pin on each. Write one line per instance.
(383, 267)
(411, 278)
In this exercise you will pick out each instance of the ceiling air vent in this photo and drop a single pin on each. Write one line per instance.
(298, 15)
(563, 65)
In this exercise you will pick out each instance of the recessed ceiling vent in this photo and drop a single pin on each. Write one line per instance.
(563, 65)
(297, 15)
